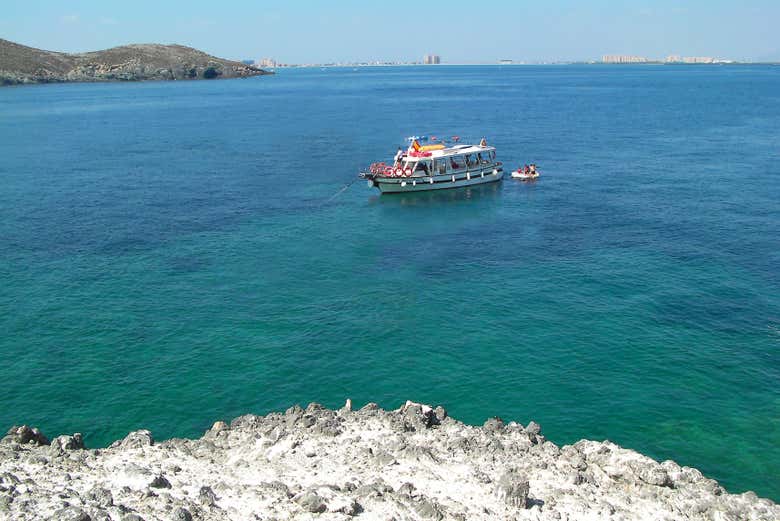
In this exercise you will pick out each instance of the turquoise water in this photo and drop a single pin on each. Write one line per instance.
(172, 254)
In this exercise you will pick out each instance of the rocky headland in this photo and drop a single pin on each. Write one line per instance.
(20, 64)
(406, 464)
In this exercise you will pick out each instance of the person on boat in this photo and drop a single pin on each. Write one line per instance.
(398, 155)
(525, 168)
(532, 169)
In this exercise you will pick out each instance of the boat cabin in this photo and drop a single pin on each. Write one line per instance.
(451, 160)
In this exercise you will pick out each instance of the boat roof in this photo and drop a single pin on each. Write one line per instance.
(456, 150)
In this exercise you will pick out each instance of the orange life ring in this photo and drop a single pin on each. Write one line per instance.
(399, 172)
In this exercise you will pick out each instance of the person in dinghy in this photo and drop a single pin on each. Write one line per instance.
(526, 172)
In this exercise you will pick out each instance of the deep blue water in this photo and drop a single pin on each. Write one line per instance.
(172, 254)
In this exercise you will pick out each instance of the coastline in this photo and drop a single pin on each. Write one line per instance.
(414, 462)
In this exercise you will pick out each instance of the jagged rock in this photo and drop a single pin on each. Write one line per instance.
(160, 481)
(207, 496)
(428, 509)
(650, 472)
(70, 513)
(283, 466)
(25, 435)
(219, 426)
(418, 416)
(533, 428)
(61, 444)
(181, 514)
(311, 502)
(494, 425)
(512, 487)
(102, 496)
(134, 440)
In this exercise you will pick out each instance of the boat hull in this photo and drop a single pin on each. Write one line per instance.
(394, 185)
(525, 177)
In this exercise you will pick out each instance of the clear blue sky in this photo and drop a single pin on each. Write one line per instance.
(298, 31)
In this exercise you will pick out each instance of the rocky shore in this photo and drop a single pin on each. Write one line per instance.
(20, 64)
(411, 463)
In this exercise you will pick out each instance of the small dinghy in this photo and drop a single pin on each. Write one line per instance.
(526, 173)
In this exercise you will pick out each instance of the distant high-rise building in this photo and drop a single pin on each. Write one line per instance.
(431, 59)
(674, 58)
(267, 62)
(619, 58)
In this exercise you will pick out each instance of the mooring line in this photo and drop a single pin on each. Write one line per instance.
(341, 191)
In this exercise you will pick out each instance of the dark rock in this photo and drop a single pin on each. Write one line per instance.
(207, 497)
(279, 487)
(406, 488)
(100, 515)
(246, 421)
(70, 513)
(25, 435)
(533, 428)
(417, 417)
(101, 496)
(651, 473)
(494, 425)
(181, 514)
(428, 509)
(352, 508)
(160, 482)
(132, 517)
(314, 408)
(311, 502)
(513, 488)
(61, 444)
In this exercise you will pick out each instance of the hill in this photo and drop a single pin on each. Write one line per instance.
(21, 64)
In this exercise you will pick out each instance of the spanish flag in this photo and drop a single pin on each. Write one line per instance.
(416, 145)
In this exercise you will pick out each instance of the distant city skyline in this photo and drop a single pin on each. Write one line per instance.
(306, 31)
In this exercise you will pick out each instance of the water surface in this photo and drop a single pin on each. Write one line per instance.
(171, 254)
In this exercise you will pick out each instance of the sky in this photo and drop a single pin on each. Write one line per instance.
(322, 31)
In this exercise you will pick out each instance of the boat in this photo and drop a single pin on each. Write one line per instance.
(436, 167)
(526, 174)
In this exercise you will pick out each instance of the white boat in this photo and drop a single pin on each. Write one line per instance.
(526, 173)
(525, 176)
(436, 167)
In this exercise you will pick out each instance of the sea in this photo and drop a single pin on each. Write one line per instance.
(172, 254)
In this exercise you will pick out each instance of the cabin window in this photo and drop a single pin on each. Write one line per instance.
(422, 168)
(470, 160)
(440, 166)
(456, 162)
(492, 155)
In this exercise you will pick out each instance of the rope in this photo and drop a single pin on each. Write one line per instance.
(342, 190)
